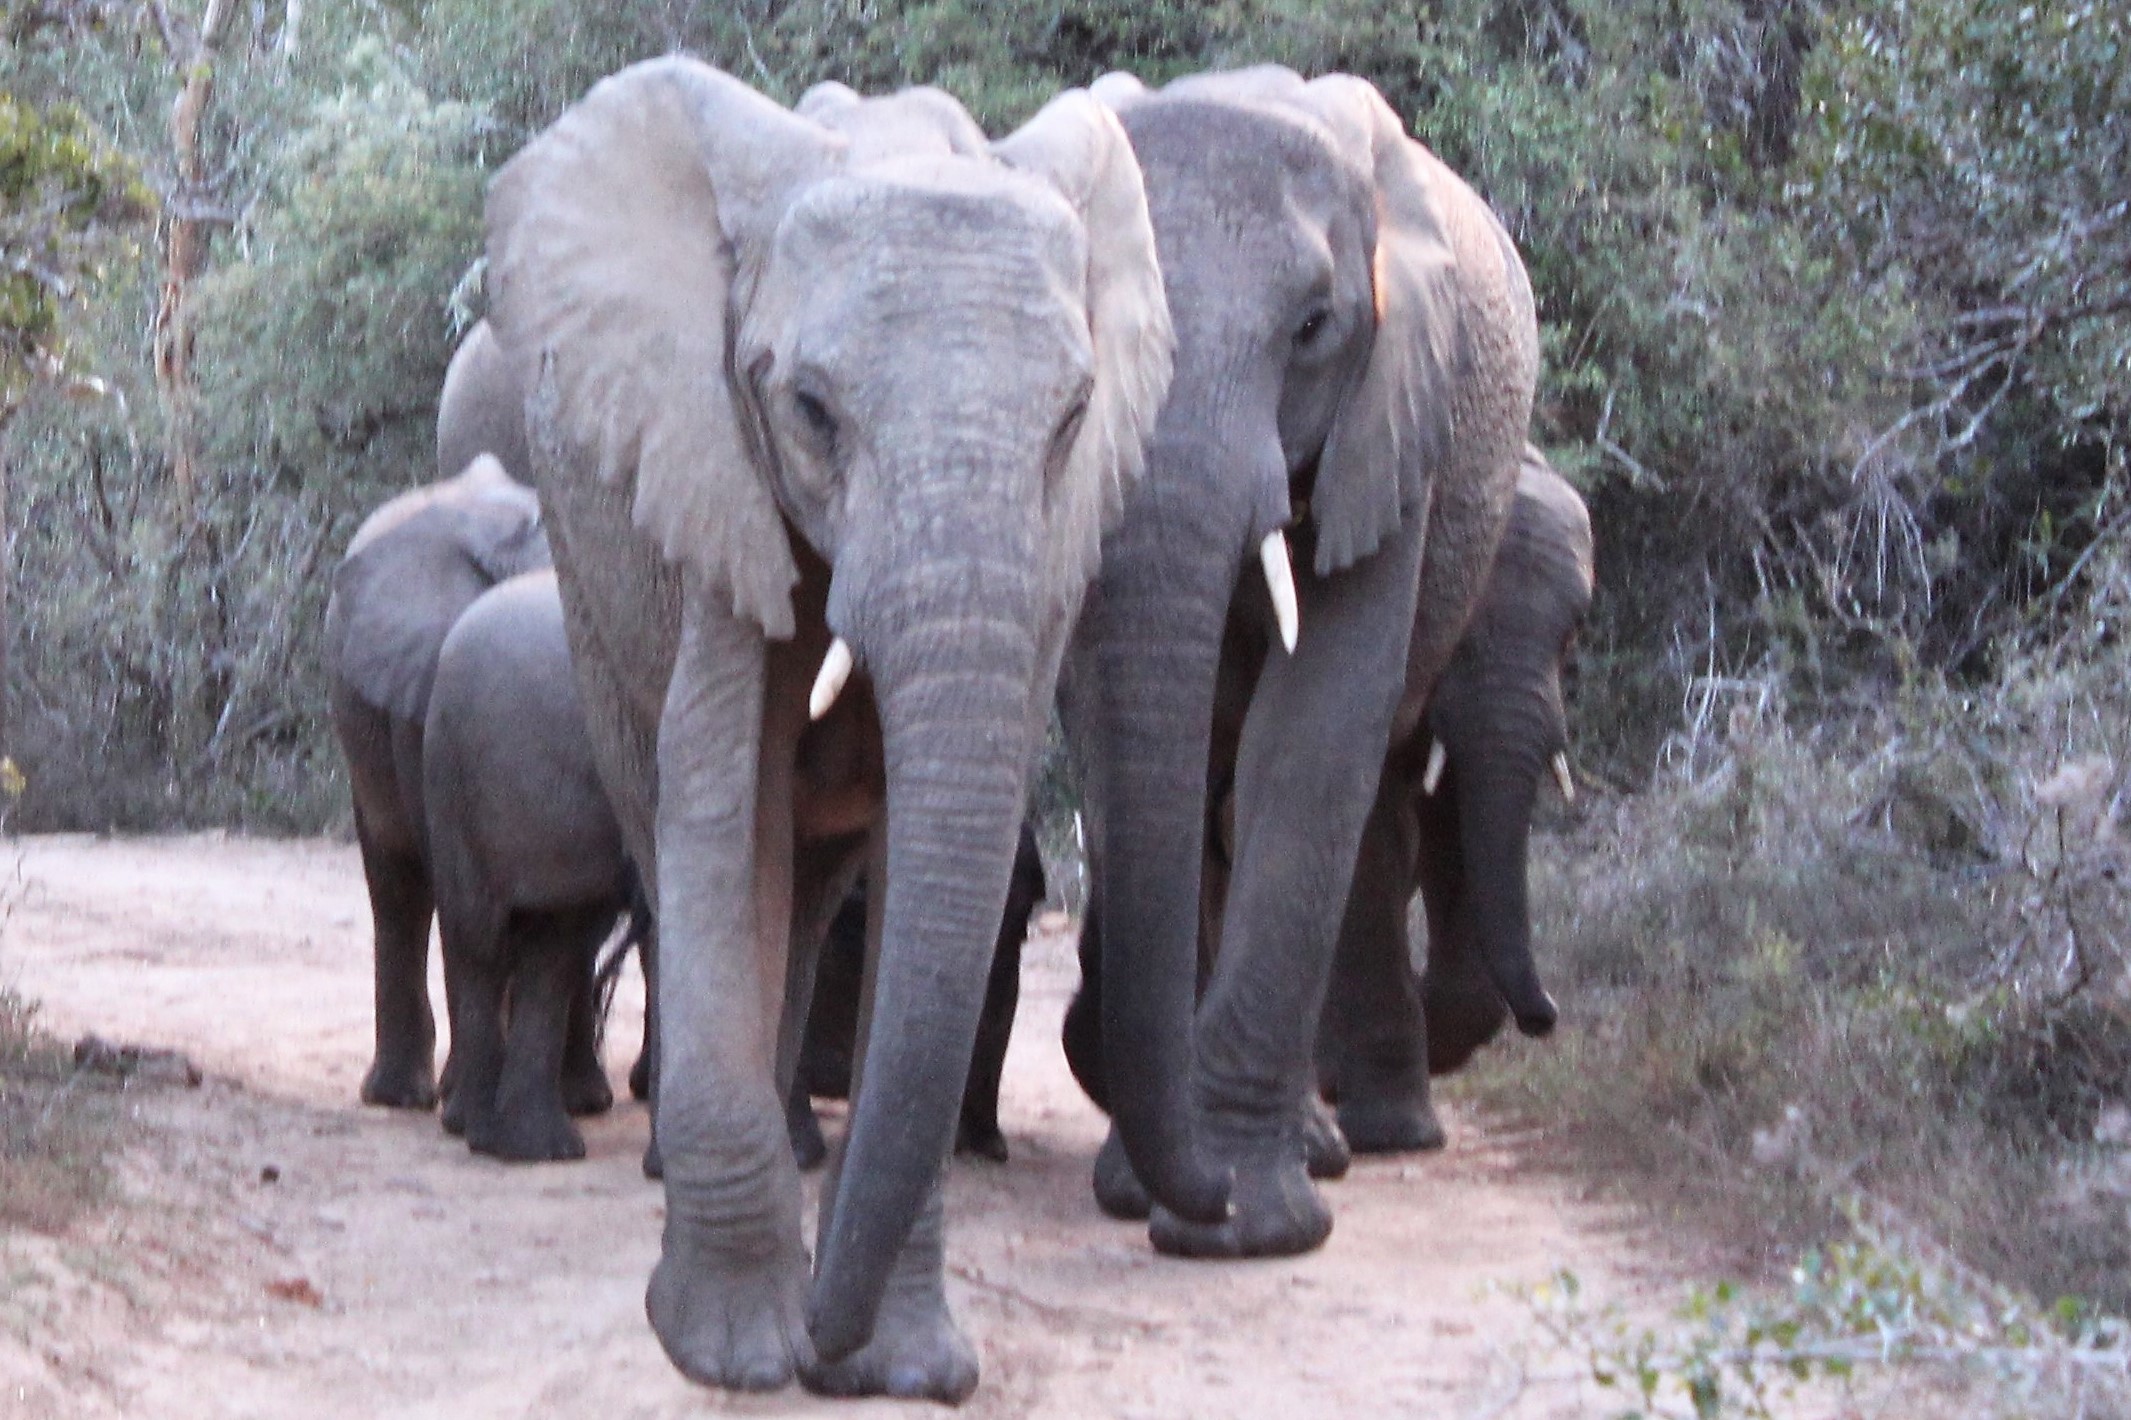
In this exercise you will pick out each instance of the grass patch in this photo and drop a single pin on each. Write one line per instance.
(57, 1126)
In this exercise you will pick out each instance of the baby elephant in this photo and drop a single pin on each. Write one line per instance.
(414, 566)
(529, 870)
(1452, 819)
(832, 1024)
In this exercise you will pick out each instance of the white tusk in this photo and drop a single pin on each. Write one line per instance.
(1280, 581)
(1563, 778)
(1433, 774)
(835, 670)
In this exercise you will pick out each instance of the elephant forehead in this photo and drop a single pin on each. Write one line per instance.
(881, 255)
(1258, 154)
(971, 208)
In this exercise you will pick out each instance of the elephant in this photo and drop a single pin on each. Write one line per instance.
(528, 869)
(1452, 820)
(831, 1031)
(829, 409)
(481, 411)
(1356, 354)
(413, 566)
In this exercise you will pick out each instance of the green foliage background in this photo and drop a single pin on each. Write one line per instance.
(1835, 298)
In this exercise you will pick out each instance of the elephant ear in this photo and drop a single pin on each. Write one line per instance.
(414, 566)
(614, 239)
(1393, 435)
(1077, 144)
(1550, 505)
(1117, 90)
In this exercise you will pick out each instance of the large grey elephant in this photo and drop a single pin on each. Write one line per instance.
(807, 391)
(1356, 351)
(1452, 820)
(528, 868)
(413, 567)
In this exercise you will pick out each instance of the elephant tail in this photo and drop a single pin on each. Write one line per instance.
(634, 935)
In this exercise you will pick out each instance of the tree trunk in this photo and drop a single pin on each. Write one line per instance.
(185, 251)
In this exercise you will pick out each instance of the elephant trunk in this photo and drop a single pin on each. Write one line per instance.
(1496, 791)
(1170, 573)
(954, 677)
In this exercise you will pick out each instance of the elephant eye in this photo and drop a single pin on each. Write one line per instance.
(1312, 326)
(1069, 427)
(1062, 440)
(814, 414)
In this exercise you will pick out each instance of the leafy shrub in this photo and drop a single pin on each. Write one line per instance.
(1901, 940)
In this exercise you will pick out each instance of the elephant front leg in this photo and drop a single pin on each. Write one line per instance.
(1371, 1042)
(1307, 767)
(402, 1072)
(727, 1299)
(918, 1352)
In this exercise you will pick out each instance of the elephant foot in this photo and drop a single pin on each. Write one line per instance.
(734, 1326)
(399, 1084)
(809, 1149)
(1324, 1147)
(917, 1353)
(982, 1140)
(1395, 1124)
(1275, 1211)
(458, 1113)
(585, 1091)
(526, 1136)
(640, 1078)
(1117, 1188)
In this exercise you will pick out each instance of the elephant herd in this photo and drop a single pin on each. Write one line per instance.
(807, 461)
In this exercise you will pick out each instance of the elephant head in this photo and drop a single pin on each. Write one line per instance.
(859, 375)
(1496, 728)
(412, 567)
(478, 411)
(1355, 357)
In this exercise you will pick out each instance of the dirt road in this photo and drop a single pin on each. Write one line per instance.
(278, 1250)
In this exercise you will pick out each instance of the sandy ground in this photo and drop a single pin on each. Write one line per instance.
(278, 1250)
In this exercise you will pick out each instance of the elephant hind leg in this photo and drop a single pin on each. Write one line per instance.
(585, 1089)
(402, 1071)
(476, 984)
(547, 954)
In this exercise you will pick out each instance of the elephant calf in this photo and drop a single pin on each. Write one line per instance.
(1452, 818)
(529, 871)
(832, 1025)
(413, 567)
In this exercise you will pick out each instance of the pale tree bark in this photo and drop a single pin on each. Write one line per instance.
(185, 249)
